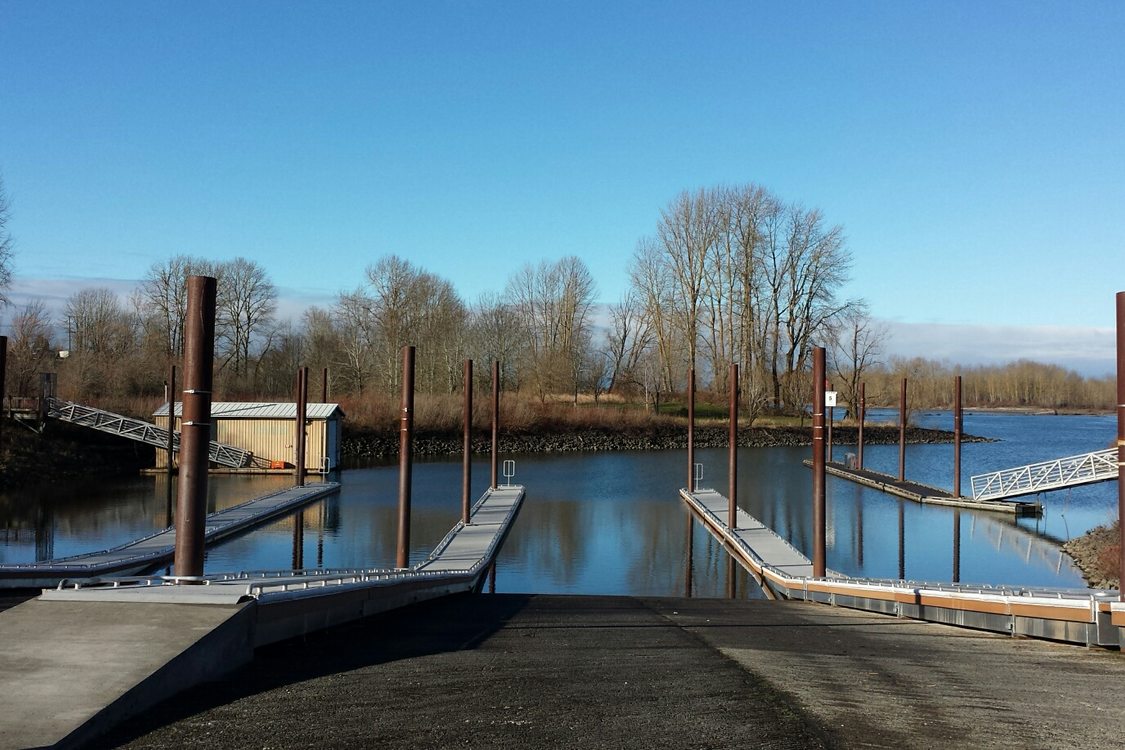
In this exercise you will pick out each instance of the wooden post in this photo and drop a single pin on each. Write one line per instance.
(405, 457)
(195, 426)
(819, 545)
(324, 386)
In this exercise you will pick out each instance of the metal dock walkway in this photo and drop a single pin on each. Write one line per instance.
(924, 493)
(158, 548)
(1085, 616)
(757, 545)
(1044, 476)
(145, 432)
(81, 659)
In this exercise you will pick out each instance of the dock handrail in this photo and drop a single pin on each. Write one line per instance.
(1096, 466)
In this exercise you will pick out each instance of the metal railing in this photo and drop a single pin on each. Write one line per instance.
(1097, 466)
(146, 432)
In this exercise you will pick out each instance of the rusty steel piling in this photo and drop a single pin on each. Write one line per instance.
(405, 457)
(1121, 434)
(195, 426)
(299, 426)
(819, 550)
(495, 454)
(691, 430)
(902, 432)
(958, 420)
(3, 381)
(732, 457)
(467, 440)
(170, 470)
(862, 418)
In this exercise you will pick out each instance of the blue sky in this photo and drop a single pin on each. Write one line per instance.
(973, 152)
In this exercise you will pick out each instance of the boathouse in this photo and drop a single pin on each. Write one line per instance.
(266, 430)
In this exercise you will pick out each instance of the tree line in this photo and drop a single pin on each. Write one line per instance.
(729, 275)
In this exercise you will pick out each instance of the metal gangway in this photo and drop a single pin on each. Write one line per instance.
(1096, 466)
(145, 432)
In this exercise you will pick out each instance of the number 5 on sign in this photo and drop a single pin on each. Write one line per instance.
(830, 398)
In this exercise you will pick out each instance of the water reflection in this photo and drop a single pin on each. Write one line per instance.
(612, 523)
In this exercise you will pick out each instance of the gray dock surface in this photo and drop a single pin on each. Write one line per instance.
(77, 661)
(522, 671)
(763, 541)
(923, 493)
(159, 548)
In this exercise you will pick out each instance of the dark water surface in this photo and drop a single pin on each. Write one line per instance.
(612, 523)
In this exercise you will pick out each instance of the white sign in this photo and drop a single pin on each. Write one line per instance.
(830, 398)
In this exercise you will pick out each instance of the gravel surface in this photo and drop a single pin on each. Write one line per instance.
(521, 671)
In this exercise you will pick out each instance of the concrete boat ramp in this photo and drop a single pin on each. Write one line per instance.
(85, 656)
(157, 549)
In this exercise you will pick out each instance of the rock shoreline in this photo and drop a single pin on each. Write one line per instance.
(1094, 553)
(368, 445)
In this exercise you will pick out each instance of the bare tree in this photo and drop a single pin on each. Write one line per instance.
(29, 351)
(104, 342)
(629, 337)
(164, 291)
(856, 347)
(554, 301)
(6, 247)
(247, 301)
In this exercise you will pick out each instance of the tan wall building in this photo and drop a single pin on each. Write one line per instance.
(267, 431)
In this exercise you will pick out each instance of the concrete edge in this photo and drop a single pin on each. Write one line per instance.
(225, 648)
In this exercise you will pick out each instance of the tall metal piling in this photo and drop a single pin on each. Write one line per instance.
(958, 420)
(691, 430)
(195, 426)
(495, 453)
(1121, 432)
(170, 469)
(902, 432)
(405, 457)
(819, 549)
(467, 443)
(862, 418)
(732, 458)
(299, 418)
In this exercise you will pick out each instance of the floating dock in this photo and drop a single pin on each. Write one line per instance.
(157, 549)
(923, 493)
(1086, 616)
(85, 656)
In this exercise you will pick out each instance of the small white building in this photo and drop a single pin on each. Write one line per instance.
(267, 431)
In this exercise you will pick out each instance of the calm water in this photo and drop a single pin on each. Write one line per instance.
(611, 523)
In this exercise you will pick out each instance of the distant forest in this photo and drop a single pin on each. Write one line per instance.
(729, 275)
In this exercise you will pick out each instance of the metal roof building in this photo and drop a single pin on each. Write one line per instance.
(267, 430)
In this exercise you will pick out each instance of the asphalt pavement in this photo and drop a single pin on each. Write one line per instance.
(523, 671)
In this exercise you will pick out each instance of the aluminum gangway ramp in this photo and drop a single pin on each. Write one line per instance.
(145, 432)
(1097, 466)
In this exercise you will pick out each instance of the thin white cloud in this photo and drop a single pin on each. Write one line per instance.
(1089, 351)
